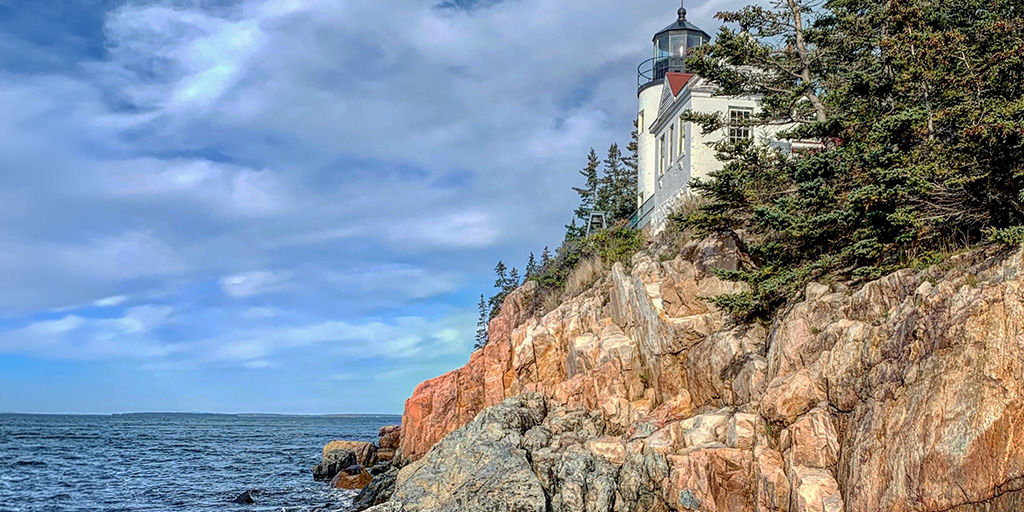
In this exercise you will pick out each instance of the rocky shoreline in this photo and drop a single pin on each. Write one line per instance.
(361, 466)
(901, 394)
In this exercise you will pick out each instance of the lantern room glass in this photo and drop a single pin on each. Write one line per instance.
(677, 44)
(662, 48)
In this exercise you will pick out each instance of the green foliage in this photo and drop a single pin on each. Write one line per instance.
(505, 283)
(1008, 236)
(531, 266)
(615, 245)
(919, 110)
(610, 187)
(590, 193)
(482, 324)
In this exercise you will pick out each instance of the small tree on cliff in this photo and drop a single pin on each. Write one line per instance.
(619, 196)
(506, 281)
(589, 193)
(482, 324)
(531, 267)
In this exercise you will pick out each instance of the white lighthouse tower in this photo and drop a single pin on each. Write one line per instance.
(671, 46)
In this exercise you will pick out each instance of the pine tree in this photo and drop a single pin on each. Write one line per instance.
(630, 159)
(778, 53)
(620, 197)
(501, 274)
(589, 193)
(512, 283)
(573, 231)
(481, 324)
(631, 163)
(545, 257)
(531, 267)
(500, 283)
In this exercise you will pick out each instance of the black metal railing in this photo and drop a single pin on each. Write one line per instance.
(639, 217)
(654, 69)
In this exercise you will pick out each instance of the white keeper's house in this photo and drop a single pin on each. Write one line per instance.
(673, 152)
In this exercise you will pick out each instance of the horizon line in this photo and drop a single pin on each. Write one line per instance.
(200, 413)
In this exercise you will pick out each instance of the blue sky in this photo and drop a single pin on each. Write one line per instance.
(284, 205)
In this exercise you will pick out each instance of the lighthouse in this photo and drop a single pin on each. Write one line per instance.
(671, 151)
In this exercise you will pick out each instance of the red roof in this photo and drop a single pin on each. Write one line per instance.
(678, 80)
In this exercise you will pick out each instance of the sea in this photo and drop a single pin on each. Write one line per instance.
(172, 462)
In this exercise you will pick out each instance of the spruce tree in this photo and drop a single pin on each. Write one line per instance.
(573, 232)
(531, 267)
(622, 180)
(589, 193)
(545, 257)
(512, 283)
(630, 159)
(500, 283)
(482, 324)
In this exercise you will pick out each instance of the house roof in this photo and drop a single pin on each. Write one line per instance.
(678, 80)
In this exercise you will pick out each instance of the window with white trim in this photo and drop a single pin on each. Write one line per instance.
(739, 124)
(663, 157)
(671, 144)
(682, 138)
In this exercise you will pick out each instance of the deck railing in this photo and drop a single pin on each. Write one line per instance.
(641, 217)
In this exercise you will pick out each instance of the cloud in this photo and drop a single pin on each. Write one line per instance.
(129, 336)
(401, 281)
(251, 284)
(109, 302)
(456, 230)
(261, 313)
(222, 188)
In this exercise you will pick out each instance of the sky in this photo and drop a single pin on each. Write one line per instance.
(286, 206)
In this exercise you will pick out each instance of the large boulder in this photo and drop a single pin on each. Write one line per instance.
(481, 467)
(334, 461)
(352, 478)
(366, 453)
(378, 491)
(390, 437)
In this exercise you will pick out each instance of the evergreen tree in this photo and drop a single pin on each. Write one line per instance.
(531, 267)
(501, 274)
(500, 283)
(482, 324)
(630, 159)
(589, 193)
(513, 282)
(573, 232)
(621, 178)
(545, 257)
(919, 108)
(778, 52)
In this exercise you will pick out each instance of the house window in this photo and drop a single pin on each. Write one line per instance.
(739, 124)
(640, 122)
(663, 157)
(672, 144)
(682, 137)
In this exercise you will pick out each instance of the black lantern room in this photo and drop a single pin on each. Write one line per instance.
(671, 46)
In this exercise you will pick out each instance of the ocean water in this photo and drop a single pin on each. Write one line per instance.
(171, 462)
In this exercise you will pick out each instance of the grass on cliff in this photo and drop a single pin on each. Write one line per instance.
(581, 261)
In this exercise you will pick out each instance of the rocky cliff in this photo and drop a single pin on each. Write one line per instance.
(901, 394)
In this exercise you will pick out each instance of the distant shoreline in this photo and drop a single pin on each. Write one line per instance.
(224, 414)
